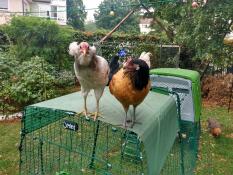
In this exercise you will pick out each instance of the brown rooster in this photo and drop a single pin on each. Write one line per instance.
(214, 127)
(131, 84)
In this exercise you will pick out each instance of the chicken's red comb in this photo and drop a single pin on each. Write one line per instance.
(84, 44)
(129, 60)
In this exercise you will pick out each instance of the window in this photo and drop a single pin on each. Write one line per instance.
(44, 10)
(3, 4)
(62, 13)
(54, 12)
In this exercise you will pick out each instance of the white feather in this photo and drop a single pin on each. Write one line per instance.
(146, 57)
(73, 48)
(88, 77)
(93, 49)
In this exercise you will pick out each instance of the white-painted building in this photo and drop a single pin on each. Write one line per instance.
(9, 8)
(145, 25)
(53, 9)
(145, 22)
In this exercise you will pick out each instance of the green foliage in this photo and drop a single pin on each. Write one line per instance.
(121, 8)
(7, 72)
(34, 81)
(116, 37)
(202, 29)
(90, 26)
(28, 82)
(76, 14)
(34, 36)
(4, 40)
(135, 43)
(62, 173)
(7, 65)
(9, 152)
(64, 78)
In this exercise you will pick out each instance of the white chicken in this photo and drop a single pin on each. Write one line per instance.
(91, 70)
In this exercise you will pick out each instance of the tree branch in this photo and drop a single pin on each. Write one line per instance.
(168, 33)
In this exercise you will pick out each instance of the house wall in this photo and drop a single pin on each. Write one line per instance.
(145, 28)
(61, 8)
(4, 18)
(145, 25)
(26, 5)
(40, 9)
(13, 6)
(58, 2)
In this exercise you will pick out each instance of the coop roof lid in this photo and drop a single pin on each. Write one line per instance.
(182, 73)
(157, 120)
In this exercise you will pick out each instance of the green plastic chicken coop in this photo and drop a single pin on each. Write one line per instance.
(185, 85)
(57, 139)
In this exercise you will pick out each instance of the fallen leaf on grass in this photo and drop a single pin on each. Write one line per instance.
(230, 136)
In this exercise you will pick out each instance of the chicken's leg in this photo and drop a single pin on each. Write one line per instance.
(126, 108)
(85, 93)
(98, 93)
(97, 109)
(134, 116)
(85, 106)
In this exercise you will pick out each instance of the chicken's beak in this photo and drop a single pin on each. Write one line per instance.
(84, 51)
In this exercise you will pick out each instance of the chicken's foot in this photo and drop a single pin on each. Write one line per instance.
(83, 113)
(96, 115)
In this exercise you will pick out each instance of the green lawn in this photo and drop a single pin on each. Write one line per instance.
(9, 141)
(216, 155)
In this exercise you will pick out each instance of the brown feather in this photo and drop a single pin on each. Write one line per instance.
(122, 88)
(93, 63)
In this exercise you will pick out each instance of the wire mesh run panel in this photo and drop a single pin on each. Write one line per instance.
(56, 141)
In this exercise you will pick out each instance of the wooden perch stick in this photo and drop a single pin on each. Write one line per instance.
(118, 25)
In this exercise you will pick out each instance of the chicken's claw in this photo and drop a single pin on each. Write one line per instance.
(126, 123)
(96, 115)
(83, 113)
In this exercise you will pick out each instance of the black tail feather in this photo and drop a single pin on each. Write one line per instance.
(114, 67)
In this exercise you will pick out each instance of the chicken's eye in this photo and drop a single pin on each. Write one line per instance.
(80, 47)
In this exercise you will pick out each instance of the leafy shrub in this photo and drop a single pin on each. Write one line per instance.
(7, 72)
(34, 36)
(62, 173)
(34, 81)
(28, 82)
(64, 78)
(7, 66)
